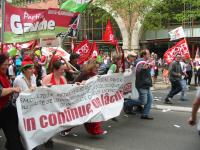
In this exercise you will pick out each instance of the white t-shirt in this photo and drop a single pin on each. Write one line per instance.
(11, 71)
(183, 67)
(21, 82)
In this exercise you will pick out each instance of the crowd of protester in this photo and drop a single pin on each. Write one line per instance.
(26, 72)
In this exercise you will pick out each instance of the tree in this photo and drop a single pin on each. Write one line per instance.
(172, 11)
(128, 10)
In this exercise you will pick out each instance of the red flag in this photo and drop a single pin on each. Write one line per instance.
(180, 48)
(6, 47)
(84, 50)
(94, 50)
(109, 35)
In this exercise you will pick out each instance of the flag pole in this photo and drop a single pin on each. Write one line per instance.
(2, 23)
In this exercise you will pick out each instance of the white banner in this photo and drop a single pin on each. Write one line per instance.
(47, 111)
(130, 90)
(47, 51)
(177, 33)
(50, 42)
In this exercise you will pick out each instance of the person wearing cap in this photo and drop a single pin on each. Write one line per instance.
(26, 80)
(129, 61)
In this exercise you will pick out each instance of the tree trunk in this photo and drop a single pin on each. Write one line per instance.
(129, 27)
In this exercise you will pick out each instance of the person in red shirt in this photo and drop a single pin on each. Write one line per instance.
(8, 113)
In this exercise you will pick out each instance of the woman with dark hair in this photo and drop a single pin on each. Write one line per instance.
(115, 68)
(8, 113)
(55, 78)
(116, 64)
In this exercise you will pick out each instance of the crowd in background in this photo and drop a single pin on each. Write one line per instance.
(26, 72)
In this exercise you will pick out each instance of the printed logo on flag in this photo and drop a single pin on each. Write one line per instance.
(180, 48)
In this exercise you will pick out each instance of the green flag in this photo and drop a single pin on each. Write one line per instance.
(75, 5)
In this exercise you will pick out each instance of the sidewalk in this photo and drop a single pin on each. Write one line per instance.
(160, 86)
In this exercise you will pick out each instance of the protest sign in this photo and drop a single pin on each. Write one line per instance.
(48, 51)
(22, 24)
(130, 90)
(50, 42)
(47, 111)
(177, 33)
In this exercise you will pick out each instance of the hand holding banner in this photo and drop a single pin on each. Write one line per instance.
(47, 111)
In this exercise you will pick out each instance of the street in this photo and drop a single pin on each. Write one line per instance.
(168, 131)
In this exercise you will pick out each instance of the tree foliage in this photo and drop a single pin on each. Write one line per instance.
(127, 7)
(169, 12)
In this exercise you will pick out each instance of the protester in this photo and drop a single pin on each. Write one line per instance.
(183, 80)
(196, 104)
(71, 74)
(189, 73)
(26, 80)
(196, 74)
(8, 113)
(166, 74)
(116, 64)
(129, 61)
(104, 67)
(55, 78)
(156, 69)
(11, 70)
(175, 74)
(89, 70)
(18, 62)
(43, 62)
(115, 67)
(143, 84)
